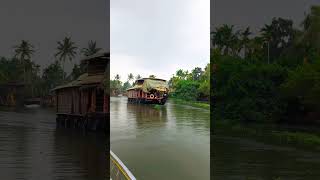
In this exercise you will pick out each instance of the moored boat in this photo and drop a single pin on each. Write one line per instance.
(148, 90)
(118, 171)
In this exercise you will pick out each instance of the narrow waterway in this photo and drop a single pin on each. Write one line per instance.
(161, 142)
(31, 147)
(240, 158)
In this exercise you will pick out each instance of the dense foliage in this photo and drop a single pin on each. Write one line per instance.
(271, 77)
(21, 69)
(193, 86)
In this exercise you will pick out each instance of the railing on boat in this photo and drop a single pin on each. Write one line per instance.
(118, 171)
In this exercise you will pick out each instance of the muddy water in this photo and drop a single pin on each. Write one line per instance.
(32, 148)
(161, 142)
(240, 158)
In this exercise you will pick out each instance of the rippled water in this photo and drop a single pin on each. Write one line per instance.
(239, 158)
(32, 148)
(161, 142)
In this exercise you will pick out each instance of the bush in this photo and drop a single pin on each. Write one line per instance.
(247, 92)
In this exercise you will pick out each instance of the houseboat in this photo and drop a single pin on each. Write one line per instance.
(84, 102)
(148, 90)
(12, 94)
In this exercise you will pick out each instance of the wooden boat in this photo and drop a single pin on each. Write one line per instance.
(84, 102)
(148, 90)
(118, 171)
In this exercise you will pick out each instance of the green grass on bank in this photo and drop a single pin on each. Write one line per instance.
(269, 135)
(204, 105)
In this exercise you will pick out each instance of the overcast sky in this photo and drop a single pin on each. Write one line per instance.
(44, 22)
(158, 37)
(256, 13)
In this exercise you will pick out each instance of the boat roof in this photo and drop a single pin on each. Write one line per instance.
(84, 79)
(97, 56)
(151, 83)
(157, 79)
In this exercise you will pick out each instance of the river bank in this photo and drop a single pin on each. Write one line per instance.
(198, 104)
(272, 134)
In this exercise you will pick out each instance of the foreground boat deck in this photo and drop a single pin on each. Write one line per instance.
(118, 171)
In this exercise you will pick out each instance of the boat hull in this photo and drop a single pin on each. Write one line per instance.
(161, 101)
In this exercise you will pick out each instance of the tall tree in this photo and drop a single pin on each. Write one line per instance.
(245, 40)
(130, 77)
(91, 49)
(23, 52)
(117, 77)
(310, 38)
(278, 36)
(138, 77)
(66, 50)
(225, 39)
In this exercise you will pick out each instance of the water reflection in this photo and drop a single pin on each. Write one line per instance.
(161, 142)
(238, 158)
(32, 148)
(146, 114)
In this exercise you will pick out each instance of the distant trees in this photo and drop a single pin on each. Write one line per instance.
(23, 52)
(249, 88)
(66, 49)
(20, 67)
(91, 49)
(191, 86)
(52, 76)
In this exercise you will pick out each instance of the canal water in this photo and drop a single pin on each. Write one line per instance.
(240, 158)
(32, 148)
(161, 142)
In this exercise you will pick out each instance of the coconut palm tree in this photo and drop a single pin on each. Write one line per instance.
(311, 36)
(117, 77)
(130, 77)
(225, 39)
(138, 77)
(245, 40)
(66, 50)
(91, 49)
(23, 52)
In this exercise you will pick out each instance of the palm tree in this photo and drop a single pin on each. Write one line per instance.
(225, 39)
(311, 36)
(23, 52)
(117, 77)
(66, 50)
(138, 77)
(245, 40)
(91, 49)
(130, 77)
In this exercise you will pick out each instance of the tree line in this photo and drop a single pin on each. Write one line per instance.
(272, 76)
(118, 87)
(191, 86)
(21, 69)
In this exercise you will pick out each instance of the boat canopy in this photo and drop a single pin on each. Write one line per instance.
(151, 84)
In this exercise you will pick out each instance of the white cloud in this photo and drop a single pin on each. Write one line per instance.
(158, 37)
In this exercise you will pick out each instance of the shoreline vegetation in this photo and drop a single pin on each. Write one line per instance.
(265, 80)
(197, 104)
(30, 80)
(273, 135)
(191, 87)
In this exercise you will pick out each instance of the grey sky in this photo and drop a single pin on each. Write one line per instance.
(256, 13)
(44, 22)
(158, 37)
